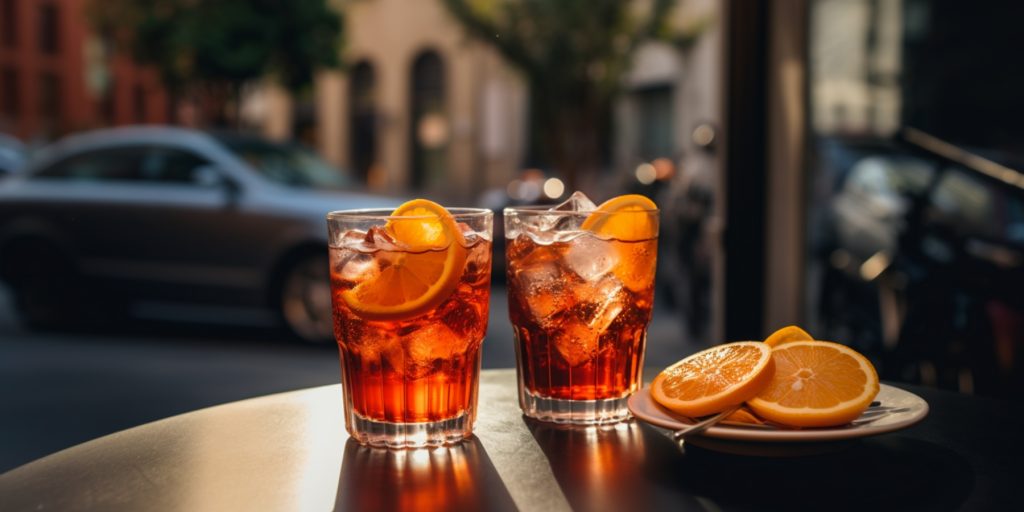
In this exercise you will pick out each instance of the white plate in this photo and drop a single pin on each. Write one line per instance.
(897, 409)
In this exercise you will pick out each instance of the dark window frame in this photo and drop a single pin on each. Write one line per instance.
(10, 104)
(49, 33)
(9, 25)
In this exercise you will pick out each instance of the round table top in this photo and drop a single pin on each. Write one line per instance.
(289, 451)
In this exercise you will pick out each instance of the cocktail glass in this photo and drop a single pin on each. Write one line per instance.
(409, 320)
(580, 303)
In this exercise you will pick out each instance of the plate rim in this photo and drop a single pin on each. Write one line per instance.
(781, 436)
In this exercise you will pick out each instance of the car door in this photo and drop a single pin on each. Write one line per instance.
(185, 241)
(151, 217)
(81, 202)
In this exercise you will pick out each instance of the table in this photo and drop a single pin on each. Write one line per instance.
(289, 451)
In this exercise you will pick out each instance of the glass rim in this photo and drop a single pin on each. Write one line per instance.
(546, 210)
(385, 214)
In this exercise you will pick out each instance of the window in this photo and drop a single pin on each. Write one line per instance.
(890, 83)
(49, 101)
(284, 164)
(654, 105)
(9, 106)
(119, 164)
(9, 23)
(429, 127)
(362, 124)
(139, 104)
(49, 28)
(108, 102)
(168, 165)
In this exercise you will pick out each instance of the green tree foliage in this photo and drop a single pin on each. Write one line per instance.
(221, 44)
(574, 55)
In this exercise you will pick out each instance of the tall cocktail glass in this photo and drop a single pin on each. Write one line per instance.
(580, 301)
(410, 297)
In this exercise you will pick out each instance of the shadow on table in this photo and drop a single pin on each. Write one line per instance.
(459, 477)
(632, 466)
(888, 472)
(603, 468)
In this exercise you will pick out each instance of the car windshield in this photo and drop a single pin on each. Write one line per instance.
(286, 164)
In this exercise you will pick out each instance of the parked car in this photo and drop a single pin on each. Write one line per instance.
(12, 155)
(168, 214)
(923, 260)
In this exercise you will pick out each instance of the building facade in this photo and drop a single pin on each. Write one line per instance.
(420, 105)
(57, 77)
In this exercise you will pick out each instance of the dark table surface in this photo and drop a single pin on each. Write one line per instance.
(290, 452)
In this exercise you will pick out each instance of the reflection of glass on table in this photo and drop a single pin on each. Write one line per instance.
(597, 467)
(457, 477)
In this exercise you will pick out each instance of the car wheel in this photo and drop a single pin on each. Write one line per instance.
(44, 285)
(306, 300)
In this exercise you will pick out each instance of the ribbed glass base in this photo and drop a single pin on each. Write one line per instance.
(577, 412)
(409, 435)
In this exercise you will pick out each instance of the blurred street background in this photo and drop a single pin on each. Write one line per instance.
(855, 167)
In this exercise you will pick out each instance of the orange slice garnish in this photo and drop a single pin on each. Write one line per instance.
(816, 384)
(786, 335)
(715, 379)
(629, 218)
(420, 278)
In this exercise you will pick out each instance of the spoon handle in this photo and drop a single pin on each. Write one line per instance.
(704, 424)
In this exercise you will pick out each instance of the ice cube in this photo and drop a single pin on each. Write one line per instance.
(576, 342)
(577, 202)
(590, 258)
(541, 281)
(578, 334)
(566, 216)
(543, 233)
(378, 238)
(393, 357)
(542, 288)
(429, 347)
(378, 348)
(464, 314)
(354, 240)
(608, 300)
(357, 267)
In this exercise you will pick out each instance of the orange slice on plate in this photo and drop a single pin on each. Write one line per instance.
(786, 335)
(715, 379)
(419, 279)
(743, 415)
(631, 220)
(816, 384)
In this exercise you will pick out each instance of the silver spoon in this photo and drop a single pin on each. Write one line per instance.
(702, 425)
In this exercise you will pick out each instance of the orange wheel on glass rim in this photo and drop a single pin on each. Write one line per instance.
(627, 219)
(786, 335)
(816, 384)
(420, 279)
(715, 379)
(631, 220)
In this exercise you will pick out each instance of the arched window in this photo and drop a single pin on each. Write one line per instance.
(362, 102)
(429, 129)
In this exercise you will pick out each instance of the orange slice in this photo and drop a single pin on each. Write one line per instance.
(816, 384)
(629, 218)
(714, 379)
(625, 218)
(786, 335)
(417, 280)
(743, 415)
